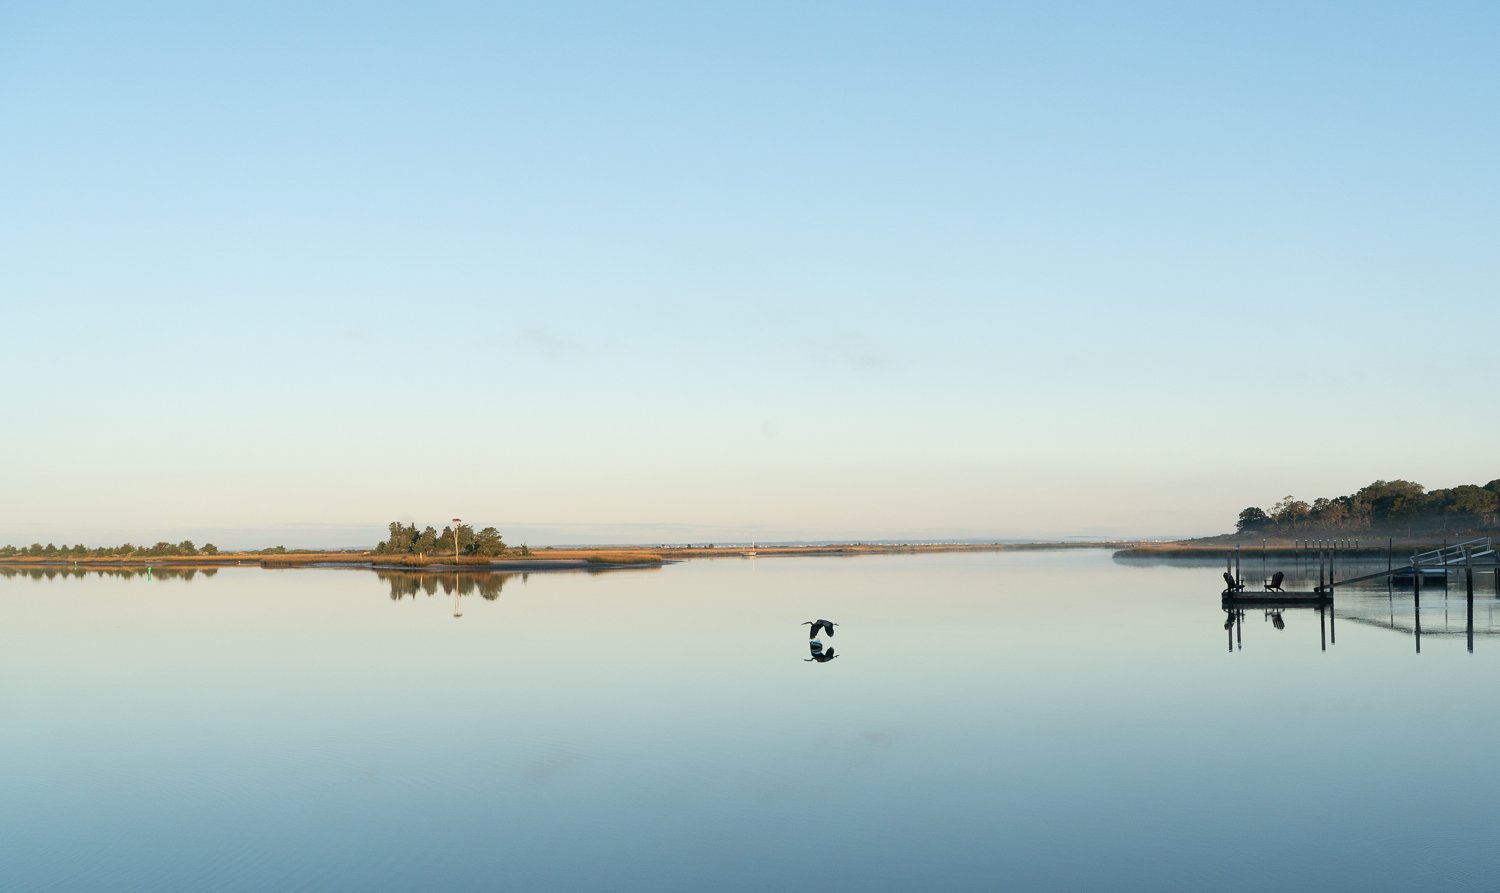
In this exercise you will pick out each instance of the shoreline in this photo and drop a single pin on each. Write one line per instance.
(540, 559)
(1354, 546)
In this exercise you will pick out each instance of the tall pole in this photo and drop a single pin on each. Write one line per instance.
(455, 540)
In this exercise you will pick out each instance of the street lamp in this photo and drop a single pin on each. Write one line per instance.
(455, 540)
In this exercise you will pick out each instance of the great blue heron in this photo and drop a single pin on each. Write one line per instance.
(817, 625)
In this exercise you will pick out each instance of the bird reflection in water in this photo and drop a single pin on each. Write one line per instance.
(818, 654)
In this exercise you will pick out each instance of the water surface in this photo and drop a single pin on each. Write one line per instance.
(1024, 720)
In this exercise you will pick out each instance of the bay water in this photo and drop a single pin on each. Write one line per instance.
(1027, 720)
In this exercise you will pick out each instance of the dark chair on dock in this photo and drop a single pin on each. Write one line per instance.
(1231, 585)
(1274, 584)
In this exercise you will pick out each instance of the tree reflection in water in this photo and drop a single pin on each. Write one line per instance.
(185, 574)
(409, 583)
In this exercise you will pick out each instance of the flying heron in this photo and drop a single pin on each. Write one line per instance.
(817, 625)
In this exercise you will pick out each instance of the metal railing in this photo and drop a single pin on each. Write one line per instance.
(1458, 554)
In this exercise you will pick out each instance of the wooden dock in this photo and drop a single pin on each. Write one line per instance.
(1276, 599)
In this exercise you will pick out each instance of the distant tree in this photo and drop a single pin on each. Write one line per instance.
(1253, 518)
(209, 549)
(1329, 512)
(1395, 501)
(489, 543)
(400, 540)
(1472, 504)
(1290, 513)
(186, 547)
(426, 541)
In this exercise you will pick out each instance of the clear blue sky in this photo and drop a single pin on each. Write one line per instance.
(687, 271)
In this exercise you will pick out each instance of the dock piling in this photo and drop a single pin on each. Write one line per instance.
(1416, 601)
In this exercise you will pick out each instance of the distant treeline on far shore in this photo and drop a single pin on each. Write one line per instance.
(124, 550)
(405, 539)
(1398, 507)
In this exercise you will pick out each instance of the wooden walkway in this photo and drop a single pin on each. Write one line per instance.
(1276, 599)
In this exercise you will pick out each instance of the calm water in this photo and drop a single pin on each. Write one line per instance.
(1033, 721)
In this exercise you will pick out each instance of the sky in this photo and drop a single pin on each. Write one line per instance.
(283, 273)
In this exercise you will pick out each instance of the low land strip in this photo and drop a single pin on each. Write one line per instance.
(539, 559)
(1356, 545)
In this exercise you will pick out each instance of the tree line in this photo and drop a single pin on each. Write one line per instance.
(37, 550)
(1389, 506)
(405, 539)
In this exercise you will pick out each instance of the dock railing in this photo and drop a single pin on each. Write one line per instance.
(1457, 554)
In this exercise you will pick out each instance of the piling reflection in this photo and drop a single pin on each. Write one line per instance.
(1421, 613)
(1234, 623)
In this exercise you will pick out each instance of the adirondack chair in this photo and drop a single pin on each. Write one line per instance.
(1231, 584)
(1274, 584)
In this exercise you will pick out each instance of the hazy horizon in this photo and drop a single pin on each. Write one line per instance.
(363, 536)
